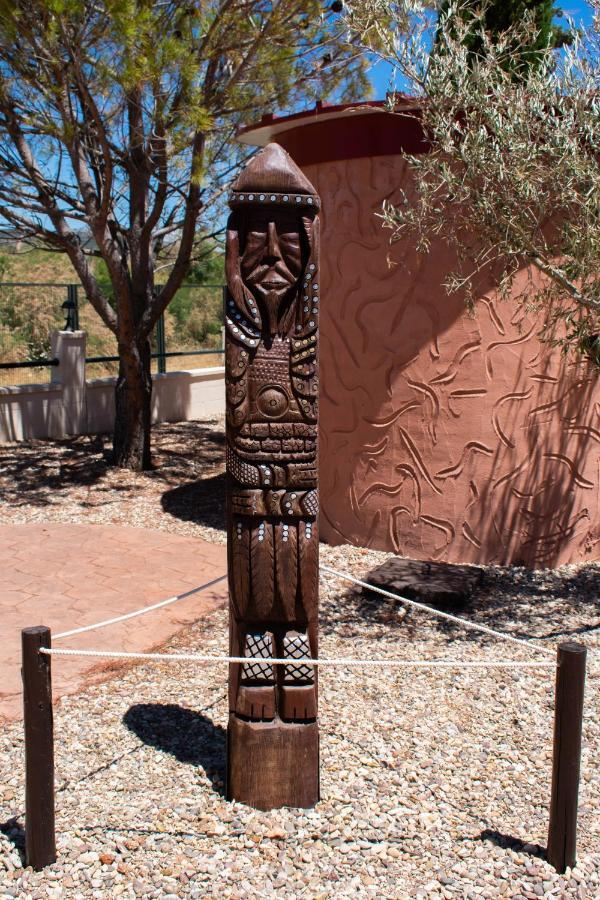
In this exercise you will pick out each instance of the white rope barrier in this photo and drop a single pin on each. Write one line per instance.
(364, 584)
(138, 612)
(308, 661)
(438, 612)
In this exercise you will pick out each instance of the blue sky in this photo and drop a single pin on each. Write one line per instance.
(380, 75)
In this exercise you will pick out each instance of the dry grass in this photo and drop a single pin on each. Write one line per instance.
(30, 312)
(46, 266)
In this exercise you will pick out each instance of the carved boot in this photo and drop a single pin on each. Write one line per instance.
(256, 692)
(297, 695)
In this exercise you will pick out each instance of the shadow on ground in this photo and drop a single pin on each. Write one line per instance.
(41, 468)
(507, 841)
(15, 832)
(202, 502)
(42, 472)
(540, 604)
(189, 736)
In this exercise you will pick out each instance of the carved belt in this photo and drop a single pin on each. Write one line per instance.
(252, 502)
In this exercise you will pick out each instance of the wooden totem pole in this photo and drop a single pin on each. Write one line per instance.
(272, 396)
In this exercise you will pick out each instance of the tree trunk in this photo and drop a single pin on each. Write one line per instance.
(133, 397)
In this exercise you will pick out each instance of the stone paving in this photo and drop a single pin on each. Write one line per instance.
(68, 575)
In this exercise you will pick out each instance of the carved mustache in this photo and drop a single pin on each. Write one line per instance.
(277, 269)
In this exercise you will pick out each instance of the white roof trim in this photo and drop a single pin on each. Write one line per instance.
(261, 135)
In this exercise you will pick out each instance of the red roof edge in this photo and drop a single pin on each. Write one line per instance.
(331, 132)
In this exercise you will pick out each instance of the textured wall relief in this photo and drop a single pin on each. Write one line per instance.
(443, 436)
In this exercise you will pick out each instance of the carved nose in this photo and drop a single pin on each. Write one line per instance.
(272, 242)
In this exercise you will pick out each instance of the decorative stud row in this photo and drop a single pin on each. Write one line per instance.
(240, 334)
(285, 528)
(282, 199)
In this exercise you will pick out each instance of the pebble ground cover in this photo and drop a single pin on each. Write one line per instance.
(435, 783)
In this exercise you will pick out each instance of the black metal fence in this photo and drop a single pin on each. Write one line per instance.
(29, 313)
(190, 332)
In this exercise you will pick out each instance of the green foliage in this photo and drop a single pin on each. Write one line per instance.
(209, 268)
(124, 112)
(196, 313)
(511, 180)
(204, 319)
(499, 17)
(102, 277)
(196, 310)
(590, 345)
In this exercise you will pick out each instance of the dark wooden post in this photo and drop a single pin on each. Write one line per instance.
(568, 722)
(40, 844)
(271, 340)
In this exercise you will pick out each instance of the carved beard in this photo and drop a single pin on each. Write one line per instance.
(275, 308)
(275, 302)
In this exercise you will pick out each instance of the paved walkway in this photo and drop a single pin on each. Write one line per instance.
(65, 576)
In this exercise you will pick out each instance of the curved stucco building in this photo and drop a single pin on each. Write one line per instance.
(444, 435)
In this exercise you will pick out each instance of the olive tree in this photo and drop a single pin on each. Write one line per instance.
(512, 178)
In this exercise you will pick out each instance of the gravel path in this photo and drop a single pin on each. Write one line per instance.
(435, 783)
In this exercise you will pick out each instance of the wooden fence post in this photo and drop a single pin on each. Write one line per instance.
(40, 843)
(568, 721)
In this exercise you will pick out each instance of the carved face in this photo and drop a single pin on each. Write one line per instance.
(271, 261)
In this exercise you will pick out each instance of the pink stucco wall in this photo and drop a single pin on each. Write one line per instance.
(444, 435)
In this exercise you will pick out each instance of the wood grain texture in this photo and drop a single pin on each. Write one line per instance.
(566, 755)
(260, 603)
(239, 567)
(271, 338)
(286, 556)
(40, 841)
(270, 765)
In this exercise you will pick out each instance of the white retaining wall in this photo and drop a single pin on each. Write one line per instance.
(71, 405)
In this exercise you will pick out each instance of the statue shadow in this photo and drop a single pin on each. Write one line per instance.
(189, 736)
(202, 502)
(14, 831)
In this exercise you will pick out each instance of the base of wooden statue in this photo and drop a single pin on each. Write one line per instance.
(272, 764)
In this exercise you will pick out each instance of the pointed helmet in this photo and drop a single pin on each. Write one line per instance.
(272, 176)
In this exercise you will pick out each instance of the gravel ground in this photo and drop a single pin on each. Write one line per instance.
(435, 783)
(71, 481)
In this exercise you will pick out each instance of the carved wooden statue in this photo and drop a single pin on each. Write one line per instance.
(272, 396)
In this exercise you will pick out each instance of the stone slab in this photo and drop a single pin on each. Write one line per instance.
(440, 584)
